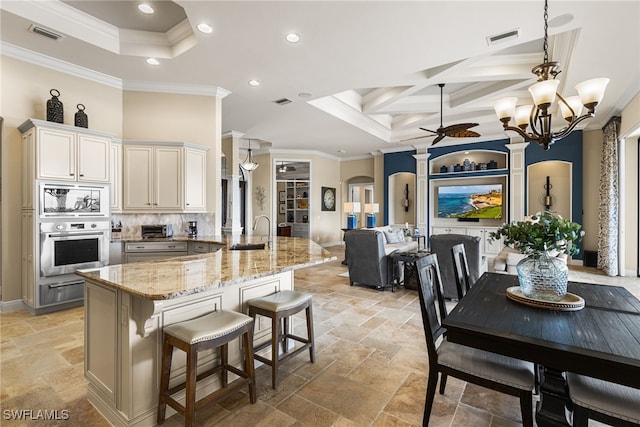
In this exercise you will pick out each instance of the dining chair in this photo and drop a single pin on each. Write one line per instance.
(603, 401)
(490, 370)
(460, 269)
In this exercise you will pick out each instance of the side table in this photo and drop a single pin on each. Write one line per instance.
(424, 241)
(410, 270)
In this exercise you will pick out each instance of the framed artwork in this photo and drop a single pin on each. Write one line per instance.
(283, 196)
(328, 198)
(283, 208)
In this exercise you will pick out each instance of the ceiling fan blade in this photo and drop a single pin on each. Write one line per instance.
(435, 132)
(458, 127)
(416, 137)
(438, 139)
(463, 134)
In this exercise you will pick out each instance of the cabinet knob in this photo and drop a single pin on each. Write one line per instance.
(81, 174)
(187, 204)
(155, 204)
(72, 174)
(148, 204)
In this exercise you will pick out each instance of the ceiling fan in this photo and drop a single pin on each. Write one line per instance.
(460, 130)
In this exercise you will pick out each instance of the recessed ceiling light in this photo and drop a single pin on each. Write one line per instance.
(292, 37)
(304, 95)
(152, 61)
(254, 83)
(145, 8)
(205, 28)
(342, 151)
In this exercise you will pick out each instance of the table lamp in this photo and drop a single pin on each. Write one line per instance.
(371, 210)
(352, 219)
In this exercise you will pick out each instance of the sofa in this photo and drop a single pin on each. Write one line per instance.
(508, 258)
(366, 253)
(441, 244)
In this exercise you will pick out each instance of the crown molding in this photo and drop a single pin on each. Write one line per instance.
(183, 89)
(45, 61)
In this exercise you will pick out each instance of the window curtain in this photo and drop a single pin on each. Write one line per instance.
(609, 197)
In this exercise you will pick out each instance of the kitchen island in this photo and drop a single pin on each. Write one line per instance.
(127, 306)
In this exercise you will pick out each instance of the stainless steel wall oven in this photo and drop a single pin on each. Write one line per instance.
(73, 223)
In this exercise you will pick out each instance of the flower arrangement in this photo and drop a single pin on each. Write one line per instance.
(541, 233)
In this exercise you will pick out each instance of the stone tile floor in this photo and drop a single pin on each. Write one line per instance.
(370, 366)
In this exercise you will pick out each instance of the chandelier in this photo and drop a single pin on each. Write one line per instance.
(538, 115)
(248, 164)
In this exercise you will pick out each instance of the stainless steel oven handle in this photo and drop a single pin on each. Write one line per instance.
(71, 233)
(62, 285)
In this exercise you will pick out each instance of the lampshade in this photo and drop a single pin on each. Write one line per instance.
(371, 208)
(248, 164)
(544, 92)
(505, 107)
(352, 207)
(522, 114)
(592, 91)
(576, 105)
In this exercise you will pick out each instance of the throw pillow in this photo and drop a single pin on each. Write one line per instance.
(394, 236)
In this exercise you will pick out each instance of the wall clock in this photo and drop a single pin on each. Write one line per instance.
(328, 199)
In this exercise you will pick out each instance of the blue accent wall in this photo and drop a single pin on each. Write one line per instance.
(402, 161)
(569, 150)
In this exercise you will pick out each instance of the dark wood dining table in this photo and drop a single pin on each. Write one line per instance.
(601, 340)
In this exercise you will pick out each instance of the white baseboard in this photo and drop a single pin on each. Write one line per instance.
(15, 305)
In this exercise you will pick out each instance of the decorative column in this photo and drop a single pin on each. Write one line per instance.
(422, 191)
(517, 181)
(231, 150)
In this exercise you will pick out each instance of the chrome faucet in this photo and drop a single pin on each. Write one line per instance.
(255, 225)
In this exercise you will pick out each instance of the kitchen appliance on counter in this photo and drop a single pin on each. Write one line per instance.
(156, 231)
(192, 229)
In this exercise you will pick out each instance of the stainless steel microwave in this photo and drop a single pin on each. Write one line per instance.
(57, 199)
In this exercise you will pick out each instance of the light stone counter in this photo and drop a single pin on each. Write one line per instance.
(175, 277)
(127, 306)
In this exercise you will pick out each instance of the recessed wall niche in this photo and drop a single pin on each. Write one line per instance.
(559, 173)
(402, 187)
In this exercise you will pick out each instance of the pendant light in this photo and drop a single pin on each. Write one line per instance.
(544, 93)
(248, 164)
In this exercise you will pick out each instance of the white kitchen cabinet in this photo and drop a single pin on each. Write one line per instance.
(152, 177)
(147, 251)
(168, 177)
(195, 178)
(116, 177)
(68, 153)
(28, 253)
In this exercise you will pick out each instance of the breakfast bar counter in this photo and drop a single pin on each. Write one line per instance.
(128, 305)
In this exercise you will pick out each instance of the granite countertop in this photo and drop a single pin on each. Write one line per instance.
(175, 277)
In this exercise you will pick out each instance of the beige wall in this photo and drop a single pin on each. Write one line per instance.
(192, 119)
(324, 225)
(25, 91)
(349, 170)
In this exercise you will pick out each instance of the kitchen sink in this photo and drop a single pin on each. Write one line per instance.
(246, 246)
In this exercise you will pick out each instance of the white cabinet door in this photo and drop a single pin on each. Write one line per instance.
(138, 177)
(195, 162)
(56, 155)
(28, 254)
(116, 178)
(492, 247)
(94, 155)
(167, 173)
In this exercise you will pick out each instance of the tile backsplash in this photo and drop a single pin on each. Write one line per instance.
(131, 223)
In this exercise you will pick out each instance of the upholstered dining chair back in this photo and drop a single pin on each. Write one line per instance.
(441, 244)
(366, 258)
(460, 269)
(489, 370)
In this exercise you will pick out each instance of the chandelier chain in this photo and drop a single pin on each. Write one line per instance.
(546, 27)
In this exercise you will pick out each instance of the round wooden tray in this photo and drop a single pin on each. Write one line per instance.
(570, 302)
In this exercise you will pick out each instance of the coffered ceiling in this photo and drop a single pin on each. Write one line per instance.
(363, 77)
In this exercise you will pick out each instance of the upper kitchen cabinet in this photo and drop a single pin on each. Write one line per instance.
(167, 177)
(67, 153)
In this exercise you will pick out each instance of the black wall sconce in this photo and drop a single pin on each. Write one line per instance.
(405, 201)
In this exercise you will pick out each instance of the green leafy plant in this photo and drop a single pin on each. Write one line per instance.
(542, 232)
